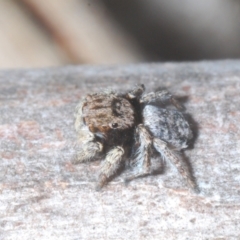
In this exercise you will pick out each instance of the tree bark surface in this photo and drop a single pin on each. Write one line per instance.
(44, 195)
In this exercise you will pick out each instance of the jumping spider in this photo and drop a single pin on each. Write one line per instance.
(132, 126)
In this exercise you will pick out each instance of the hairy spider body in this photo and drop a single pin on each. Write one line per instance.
(132, 125)
(167, 125)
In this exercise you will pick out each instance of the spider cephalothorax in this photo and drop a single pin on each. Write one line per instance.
(132, 125)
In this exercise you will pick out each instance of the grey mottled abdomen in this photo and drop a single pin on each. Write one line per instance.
(168, 125)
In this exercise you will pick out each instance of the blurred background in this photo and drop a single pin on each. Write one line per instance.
(46, 33)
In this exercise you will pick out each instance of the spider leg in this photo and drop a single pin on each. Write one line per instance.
(136, 92)
(143, 152)
(181, 166)
(110, 165)
(161, 96)
(79, 116)
(88, 151)
(90, 147)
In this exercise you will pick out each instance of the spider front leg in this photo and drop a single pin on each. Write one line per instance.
(110, 165)
(136, 92)
(90, 147)
(160, 96)
(143, 161)
(89, 151)
(181, 166)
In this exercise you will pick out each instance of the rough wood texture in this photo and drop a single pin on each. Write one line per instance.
(45, 196)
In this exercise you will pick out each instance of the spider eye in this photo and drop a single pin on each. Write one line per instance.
(114, 125)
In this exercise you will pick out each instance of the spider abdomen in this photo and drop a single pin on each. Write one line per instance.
(168, 125)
